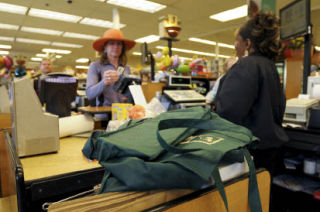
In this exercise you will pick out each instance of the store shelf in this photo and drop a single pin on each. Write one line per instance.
(297, 183)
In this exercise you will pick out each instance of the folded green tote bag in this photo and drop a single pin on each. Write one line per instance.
(179, 149)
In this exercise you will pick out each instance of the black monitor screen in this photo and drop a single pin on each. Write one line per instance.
(294, 19)
(126, 81)
(144, 54)
(57, 92)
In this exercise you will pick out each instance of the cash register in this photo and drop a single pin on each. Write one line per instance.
(298, 110)
(180, 94)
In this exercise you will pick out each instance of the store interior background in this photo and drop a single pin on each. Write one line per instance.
(194, 17)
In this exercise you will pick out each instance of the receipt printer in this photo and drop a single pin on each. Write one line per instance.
(298, 110)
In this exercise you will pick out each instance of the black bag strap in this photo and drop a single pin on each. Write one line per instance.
(253, 193)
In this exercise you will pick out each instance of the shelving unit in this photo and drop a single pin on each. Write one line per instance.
(293, 189)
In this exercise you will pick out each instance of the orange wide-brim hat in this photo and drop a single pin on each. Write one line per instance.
(112, 34)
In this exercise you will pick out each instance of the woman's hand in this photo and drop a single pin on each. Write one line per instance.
(110, 76)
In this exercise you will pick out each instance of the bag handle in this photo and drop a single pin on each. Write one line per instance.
(253, 193)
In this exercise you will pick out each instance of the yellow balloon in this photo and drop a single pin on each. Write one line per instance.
(165, 51)
(158, 66)
(167, 61)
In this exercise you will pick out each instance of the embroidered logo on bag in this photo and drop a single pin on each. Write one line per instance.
(209, 140)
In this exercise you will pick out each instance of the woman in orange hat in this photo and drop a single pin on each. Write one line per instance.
(103, 78)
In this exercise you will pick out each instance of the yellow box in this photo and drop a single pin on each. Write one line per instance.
(120, 111)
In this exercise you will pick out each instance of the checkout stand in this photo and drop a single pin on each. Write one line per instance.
(52, 177)
(55, 176)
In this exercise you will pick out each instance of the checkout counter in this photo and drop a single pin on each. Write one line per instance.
(41, 178)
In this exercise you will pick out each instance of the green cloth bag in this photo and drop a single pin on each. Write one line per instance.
(179, 149)
(139, 138)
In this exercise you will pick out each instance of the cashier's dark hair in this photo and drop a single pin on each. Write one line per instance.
(122, 58)
(263, 31)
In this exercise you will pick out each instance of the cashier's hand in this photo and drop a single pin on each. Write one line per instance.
(110, 76)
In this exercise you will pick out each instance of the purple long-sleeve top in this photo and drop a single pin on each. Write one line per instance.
(95, 86)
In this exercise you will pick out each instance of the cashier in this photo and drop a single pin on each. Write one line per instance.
(103, 79)
(250, 94)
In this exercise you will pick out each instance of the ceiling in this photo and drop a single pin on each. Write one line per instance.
(194, 17)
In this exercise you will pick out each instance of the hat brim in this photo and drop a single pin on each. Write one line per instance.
(99, 43)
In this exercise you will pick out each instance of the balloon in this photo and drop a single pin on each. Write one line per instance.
(197, 60)
(8, 62)
(175, 61)
(183, 69)
(165, 51)
(167, 61)
(158, 66)
(199, 67)
(1, 61)
(2, 71)
(158, 54)
(192, 65)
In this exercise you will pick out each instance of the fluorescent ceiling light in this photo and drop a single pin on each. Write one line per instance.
(81, 36)
(4, 52)
(137, 53)
(82, 67)
(194, 52)
(26, 40)
(185, 58)
(41, 55)
(203, 41)
(148, 39)
(54, 15)
(3, 38)
(36, 59)
(2, 46)
(232, 14)
(70, 45)
(82, 60)
(226, 45)
(99, 23)
(41, 31)
(58, 51)
(211, 42)
(189, 51)
(6, 38)
(44, 55)
(12, 8)
(223, 56)
(143, 5)
(9, 26)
